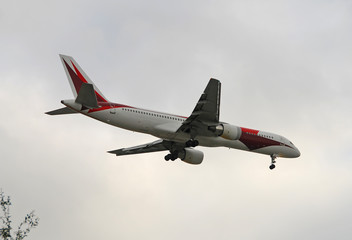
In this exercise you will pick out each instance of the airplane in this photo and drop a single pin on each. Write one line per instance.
(176, 134)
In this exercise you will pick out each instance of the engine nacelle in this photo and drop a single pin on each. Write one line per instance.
(227, 131)
(191, 156)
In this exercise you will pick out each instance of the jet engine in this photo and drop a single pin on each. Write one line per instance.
(227, 131)
(191, 156)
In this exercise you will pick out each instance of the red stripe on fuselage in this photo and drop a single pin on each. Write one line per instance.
(250, 138)
(108, 105)
(248, 130)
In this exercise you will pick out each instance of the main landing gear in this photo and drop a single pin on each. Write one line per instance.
(192, 143)
(171, 156)
(174, 153)
(272, 166)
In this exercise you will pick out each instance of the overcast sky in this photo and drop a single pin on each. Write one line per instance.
(285, 67)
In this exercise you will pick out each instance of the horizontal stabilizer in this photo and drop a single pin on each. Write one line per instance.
(61, 111)
(87, 96)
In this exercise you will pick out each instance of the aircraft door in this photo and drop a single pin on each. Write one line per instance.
(111, 115)
(112, 109)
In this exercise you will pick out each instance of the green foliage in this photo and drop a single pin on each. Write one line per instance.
(29, 222)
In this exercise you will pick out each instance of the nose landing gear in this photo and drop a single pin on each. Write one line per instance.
(273, 157)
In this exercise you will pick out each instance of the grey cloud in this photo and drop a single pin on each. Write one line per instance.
(284, 68)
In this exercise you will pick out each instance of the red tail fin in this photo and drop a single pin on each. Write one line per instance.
(76, 77)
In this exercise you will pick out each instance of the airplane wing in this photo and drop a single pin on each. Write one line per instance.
(206, 113)
(156, 146)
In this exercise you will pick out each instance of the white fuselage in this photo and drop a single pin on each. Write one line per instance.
(165, 126)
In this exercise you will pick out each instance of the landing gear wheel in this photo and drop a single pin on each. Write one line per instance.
(273, 157)
(171, 156)
(192, 143)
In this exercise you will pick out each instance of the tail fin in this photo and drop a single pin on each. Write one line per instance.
(76, 77)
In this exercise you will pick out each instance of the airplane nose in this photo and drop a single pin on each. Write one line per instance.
(297, 153)
(292, 152)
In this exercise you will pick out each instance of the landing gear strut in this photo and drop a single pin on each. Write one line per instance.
(272, 166)
(174, 153)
